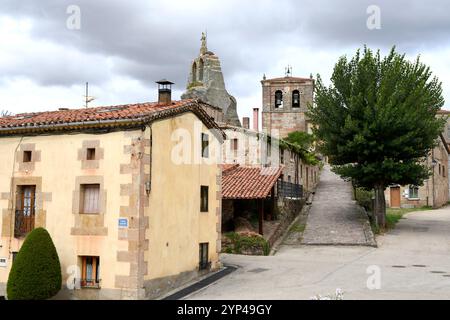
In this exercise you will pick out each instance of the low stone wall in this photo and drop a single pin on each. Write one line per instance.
(288, 210)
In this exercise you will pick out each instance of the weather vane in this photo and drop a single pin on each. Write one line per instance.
(288, 71)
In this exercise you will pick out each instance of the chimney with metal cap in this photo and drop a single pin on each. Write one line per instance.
(246, 122)
(255, 119)
(164, 91)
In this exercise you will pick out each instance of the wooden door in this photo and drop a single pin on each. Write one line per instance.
(395, 197)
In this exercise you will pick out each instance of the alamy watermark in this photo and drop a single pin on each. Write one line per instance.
(374, 19)
(73, 21)
(374, 280)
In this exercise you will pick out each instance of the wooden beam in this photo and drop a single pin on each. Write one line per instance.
(272, 205)
(261, 215)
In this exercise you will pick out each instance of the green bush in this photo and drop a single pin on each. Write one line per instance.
(36, 271)
(364, 198)
(238, 244)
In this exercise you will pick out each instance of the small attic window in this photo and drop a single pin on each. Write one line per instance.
(90, 154)
(27, 156)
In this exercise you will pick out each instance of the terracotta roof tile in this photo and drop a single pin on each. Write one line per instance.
(248, 183)
(96, 116)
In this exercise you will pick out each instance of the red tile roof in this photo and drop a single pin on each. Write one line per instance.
(110, 116)
(248, 183)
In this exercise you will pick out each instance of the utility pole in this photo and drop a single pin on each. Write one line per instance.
(87, 97)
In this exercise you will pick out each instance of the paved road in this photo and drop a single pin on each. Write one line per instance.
(334, 217)
(414, 261)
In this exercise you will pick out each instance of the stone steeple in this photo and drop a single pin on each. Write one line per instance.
(204, 47)
(207, 84)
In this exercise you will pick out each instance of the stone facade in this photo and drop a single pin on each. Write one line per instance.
(286, 116)
(251, 148)
(435, 190)
(206, 83)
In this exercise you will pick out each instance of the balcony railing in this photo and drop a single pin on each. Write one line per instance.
(23, 223)
(289, 190)
(90, 283)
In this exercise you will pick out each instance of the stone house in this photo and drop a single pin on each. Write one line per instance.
(127, 221)
(253, 148)
(435, 190)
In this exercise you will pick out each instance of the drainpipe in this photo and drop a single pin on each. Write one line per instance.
(433, 166)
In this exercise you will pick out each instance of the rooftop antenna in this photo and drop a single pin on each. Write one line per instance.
(87, 97)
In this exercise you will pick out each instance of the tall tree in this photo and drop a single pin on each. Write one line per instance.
(377, 121)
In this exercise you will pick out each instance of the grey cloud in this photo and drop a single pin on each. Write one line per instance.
(153, 39)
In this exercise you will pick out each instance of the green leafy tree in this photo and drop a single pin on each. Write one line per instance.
(302, 139)
(36, 271)
(302, 143)
(377, 121)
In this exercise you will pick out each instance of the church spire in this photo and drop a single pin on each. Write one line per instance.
(203, 48)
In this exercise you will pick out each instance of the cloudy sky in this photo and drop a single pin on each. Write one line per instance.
(122, 47)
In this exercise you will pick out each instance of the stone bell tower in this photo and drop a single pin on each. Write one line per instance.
(207, 84)
(285, 103)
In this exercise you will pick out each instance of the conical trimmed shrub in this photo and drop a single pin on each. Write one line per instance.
(36, 271)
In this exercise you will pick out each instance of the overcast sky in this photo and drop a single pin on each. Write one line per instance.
(122, 47)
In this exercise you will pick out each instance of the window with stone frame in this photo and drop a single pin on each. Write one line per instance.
(90, 272)
(205, 145)
(27, 156)
(90, 199)
(413, 192)
(90, 154)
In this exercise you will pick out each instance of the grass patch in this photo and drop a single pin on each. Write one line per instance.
(297, 227)
(393, 216)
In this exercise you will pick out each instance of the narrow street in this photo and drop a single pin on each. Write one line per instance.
(334, 217)
(413, 260)
(337, 251)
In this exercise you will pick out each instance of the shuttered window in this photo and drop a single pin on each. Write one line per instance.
(90, 198)
(204, 190)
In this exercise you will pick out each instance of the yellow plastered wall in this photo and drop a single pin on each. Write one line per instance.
(176, 225)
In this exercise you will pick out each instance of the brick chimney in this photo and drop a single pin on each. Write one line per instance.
(255, 119)
(164, 91)
(246, 122)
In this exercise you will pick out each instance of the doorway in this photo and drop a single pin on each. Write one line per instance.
(395, 197)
